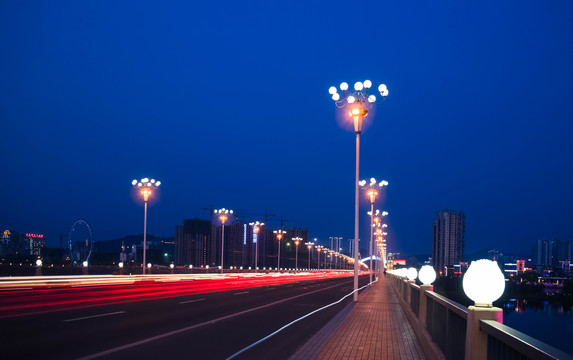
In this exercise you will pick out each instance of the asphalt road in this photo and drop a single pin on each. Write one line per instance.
(202, 326)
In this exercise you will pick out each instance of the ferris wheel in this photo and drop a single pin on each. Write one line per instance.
(80, 241)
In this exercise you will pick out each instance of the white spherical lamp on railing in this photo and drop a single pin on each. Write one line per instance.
(484, 282)
(427, 275)
(412, 273)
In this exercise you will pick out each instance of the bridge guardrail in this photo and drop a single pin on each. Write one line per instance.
(445, 322)
(505, 343)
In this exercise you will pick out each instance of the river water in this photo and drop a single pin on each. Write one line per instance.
(550, 322)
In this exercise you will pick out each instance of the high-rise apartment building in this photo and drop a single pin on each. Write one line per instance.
(448, 244)
(194, 242)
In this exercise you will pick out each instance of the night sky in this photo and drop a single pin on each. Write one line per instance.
(227, 104)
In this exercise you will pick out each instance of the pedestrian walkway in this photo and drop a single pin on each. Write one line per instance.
(374, 328)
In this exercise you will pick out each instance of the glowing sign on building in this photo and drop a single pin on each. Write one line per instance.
(244, 234)
(37, 236)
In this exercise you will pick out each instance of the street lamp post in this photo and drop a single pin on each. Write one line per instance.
(223, 216)
(318, 249)
(309, 246)
(256, 228)
(297, 241)
(280, 233)
(146, 188)
(372, 191)
(358, 104)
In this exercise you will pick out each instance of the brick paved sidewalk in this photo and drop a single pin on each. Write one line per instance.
(373, 328)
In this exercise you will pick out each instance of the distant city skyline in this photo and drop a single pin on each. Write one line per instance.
(230, 108)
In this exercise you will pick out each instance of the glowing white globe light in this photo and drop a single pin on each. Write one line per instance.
(332, 90)
(153, 181)
(344, 86)
(483, 282)
(171, 266)
(120, 264)
(140, 184)
(427, 275)
(371, 98)
(336, 96)
(38, 262)
(351, 99)
(382, 88)
(149, 265)
(134, 182)
(158, 183)
(358, 86)
(412, 273)
(206, 266)
(367, 84)
(85, 263)
(190, 266)
(145, 180)
(384, 93)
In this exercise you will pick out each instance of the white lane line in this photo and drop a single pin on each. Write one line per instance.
(178, 331)
(17, 289)
(244, 292)
(190, 301)
(94, 316)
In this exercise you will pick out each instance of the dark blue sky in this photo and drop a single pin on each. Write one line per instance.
(227, 104)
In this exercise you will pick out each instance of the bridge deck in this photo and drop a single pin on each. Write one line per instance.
(373, 328)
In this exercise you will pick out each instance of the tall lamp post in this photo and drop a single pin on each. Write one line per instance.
(319, 249)
(256, 229)
(309, 246)
(372, 189)
(297, 241)
(223, 216)
(375, 221)
(358, 104)
(280, 233)
(145, 188)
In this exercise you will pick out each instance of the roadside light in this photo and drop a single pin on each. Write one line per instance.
(483, 282)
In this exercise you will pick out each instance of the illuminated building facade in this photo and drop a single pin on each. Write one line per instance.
(448, 240)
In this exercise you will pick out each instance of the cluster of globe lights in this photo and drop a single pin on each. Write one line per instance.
(223, 211)
(426, 275)
(145, 182)
(373, 186)
(359, 96)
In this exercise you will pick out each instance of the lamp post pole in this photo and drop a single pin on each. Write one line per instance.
(296, 242)
(280, 233)
(145, 188)
(357, 105)
(256, 228)
(372, 191)
(223, 215)
(309, 246)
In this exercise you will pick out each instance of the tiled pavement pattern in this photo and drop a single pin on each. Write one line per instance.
(374, 328)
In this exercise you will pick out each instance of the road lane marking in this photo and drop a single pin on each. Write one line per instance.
(244, 292)
(297, 320)
(209, 322)
(16, 288)
(94, 316)
(190, 301)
